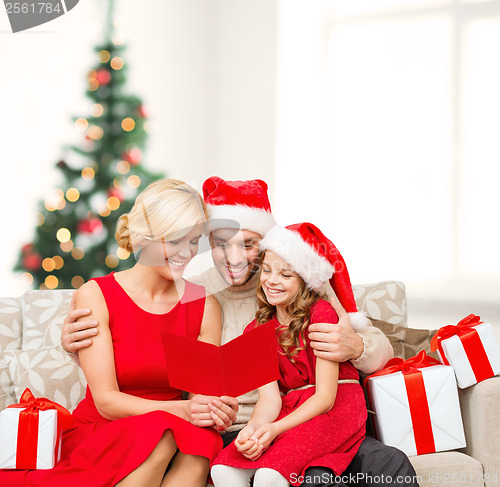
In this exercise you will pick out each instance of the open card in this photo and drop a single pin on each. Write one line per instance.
(239, 366)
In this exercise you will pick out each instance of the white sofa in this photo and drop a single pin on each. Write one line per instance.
(31, 356)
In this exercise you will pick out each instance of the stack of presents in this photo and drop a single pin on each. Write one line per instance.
(415, 401)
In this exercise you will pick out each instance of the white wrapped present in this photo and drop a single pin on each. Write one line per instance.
(471, 348)
(417, 409)
(30, 433)
(44, 445)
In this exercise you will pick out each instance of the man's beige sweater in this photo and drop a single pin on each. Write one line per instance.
(238, 307)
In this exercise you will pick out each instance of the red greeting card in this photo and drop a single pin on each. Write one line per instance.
(239, 366)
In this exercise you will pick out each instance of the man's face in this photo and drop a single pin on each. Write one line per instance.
(235, 254)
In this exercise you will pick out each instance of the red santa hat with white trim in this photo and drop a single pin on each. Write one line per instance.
(316, 259)
(238, 204)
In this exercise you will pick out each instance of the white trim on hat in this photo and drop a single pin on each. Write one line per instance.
(253, 219)
(305, 261)
(359, 320)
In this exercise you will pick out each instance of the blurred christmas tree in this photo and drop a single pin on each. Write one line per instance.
(74, 238)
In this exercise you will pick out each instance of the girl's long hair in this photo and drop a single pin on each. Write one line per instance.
(292, 339)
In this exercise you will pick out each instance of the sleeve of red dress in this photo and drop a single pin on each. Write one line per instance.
(322, 312)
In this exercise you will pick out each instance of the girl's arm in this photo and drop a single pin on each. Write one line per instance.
(98, 365)
(322, 400)
(268, 406)
(327, 376)
(265, 412)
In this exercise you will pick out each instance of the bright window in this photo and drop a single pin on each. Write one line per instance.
(404, 158)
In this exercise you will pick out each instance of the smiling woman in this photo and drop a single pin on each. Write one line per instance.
(132, 425)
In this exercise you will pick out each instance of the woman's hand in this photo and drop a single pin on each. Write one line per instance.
(212, 411)
(223, 411)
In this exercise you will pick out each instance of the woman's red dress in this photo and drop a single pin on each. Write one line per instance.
(98, 452)
(329, 440)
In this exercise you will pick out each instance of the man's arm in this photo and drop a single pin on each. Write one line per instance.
(368, 349)
(77, 334)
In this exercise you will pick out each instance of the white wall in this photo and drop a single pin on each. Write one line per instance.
(206, 70)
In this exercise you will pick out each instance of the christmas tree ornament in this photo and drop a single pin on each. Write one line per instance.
(117, 193)
(32, 262)
(90, 225)
(133, 156)
(103, 77)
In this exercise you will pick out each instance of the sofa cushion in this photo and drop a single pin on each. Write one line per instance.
(384, 301)
(406, 342)
(43, 316)
(10, 339)
(447, 468)
(419, 339)
(49, 373)
(395, 333)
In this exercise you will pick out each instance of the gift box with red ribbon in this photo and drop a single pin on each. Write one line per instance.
(471, 348)
(30, 433)
(416, 405)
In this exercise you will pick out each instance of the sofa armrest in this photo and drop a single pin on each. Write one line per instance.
(481, 417)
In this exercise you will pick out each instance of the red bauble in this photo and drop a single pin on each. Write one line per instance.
(142, 111)
(27, 249)
(32, 262)
(133, 156)
(103, 76)
(118, 193)
(89, 225)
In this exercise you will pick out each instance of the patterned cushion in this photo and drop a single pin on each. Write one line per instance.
(43, 316)
(419, 339)
(407, 342)
(10, 339)
(49, 373)
(395, 333)
(384, 301)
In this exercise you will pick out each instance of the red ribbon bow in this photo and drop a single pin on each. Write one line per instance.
(474, 349)
(417, 397)
(27, 437)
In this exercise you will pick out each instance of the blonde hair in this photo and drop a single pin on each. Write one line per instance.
(165, 209)
(292, 340)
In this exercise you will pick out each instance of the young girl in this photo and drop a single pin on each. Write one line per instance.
(319, 418)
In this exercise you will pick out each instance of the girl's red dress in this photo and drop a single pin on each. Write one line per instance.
(329, 440)
(99, 452)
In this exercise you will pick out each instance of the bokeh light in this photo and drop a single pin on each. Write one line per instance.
(63, 235)
(72, 194)
(128, 124)
(104, 56)
(123, 167)
(77, 281)
(48, 264)
(51, 282)
(77, 253)
(117, 63)
(88, 173)
(134, 181)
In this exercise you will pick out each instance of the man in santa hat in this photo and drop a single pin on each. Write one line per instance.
(240, 215)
